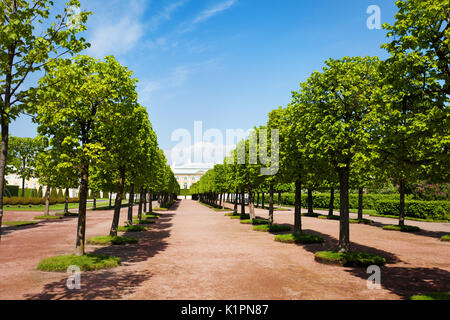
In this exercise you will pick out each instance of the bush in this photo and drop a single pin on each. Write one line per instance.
(402, 229)
(363, 221)
(11, 191)
(329, 217)
(299, 238)
(110, 240)
(85, 263)
(445, 238)
(255, 222)
(349, 259)
(436, 210)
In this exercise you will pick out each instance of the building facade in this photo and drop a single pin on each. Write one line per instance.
(190, 173)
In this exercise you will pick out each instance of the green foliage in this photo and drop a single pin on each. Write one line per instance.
(445, 237)
(436, 210)
(255, 222)
(349, 258)
(363, 221)
(327, 217)
(11, 191)
(143, 221)
(108, 240)
(88, 262)
(299, 238)
(404, 228)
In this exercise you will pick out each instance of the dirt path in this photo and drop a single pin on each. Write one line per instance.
(196, 253)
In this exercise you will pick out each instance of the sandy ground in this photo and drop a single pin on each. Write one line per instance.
(193, 252)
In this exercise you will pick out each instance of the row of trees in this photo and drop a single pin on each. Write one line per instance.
(358, 121)
(93, 133)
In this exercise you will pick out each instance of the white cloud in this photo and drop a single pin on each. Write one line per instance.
(209, 153)
(211, 12)
(207, 14)
(165, 14)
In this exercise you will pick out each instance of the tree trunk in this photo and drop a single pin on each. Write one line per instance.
(23, 180)
(110, 200)
(242, 202)
(401, 216)
(81, 228)
(360, 203)
(150, 202)
(298, 207)
(131, 205)
(145, 200)
(66, 202)
(220, 204)
(257, 199)
(236, 201)
(141, 202)
(310, 203)
(95, 200)
(118, 204)
(331, 205)
(271, 204)
(250, 203)
(344, 228)
(47, 202)
(263, 200)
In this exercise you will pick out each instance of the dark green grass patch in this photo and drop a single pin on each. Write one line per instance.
(160, 209)
(312, 215)
(326, 217)
(18, 223)
(110, 240)
(363, 221)
(132, 229)
(431, 296)
(299, 238)
(445, 238)
(255, 222)
(70, 214)
(87, 262)
(402, 228)
(349, 259)
(272, 228)
(230, 214)
(48, 218)
(143, 221)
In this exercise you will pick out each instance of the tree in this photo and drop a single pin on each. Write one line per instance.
(23, 157)
(85, 94)
(24, 52)
(337, 103)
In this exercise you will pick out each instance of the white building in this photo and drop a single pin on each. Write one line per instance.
(190, 173)
(33, 183)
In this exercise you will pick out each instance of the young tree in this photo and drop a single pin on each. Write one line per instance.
(25, 51)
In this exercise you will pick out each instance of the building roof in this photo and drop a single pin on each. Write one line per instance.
(192, 168)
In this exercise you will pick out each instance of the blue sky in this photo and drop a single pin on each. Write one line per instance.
(225, 62)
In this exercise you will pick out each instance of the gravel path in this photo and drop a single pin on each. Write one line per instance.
(193, 252)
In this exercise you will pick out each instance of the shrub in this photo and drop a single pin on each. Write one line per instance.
(329, 217)
(299, 238)
(445, 238)
(110, 240)
(255, 222)
(437, 210)
(402, 228)
(85, 263)
(349, 259)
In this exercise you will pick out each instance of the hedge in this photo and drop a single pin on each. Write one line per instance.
(322, 200)
(437, 210)
(11, 191)
(14, 201)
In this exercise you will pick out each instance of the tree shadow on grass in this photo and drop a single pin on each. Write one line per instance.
(105, 284)
(331, 243)
(406, 282)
